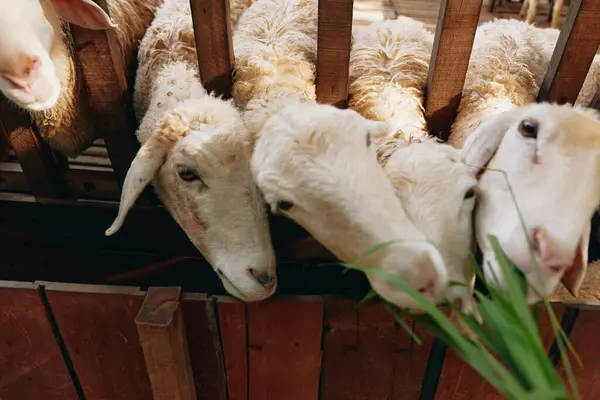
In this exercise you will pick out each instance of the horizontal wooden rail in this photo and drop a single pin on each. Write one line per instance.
(333, 51)
(454, 35)
(214, 47)
(575, 49)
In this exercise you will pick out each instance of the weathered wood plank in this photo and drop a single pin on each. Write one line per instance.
(284, 349)
(367, 356)
(43, 171)
(333, 51)
(206, 353)
(103, 71)
(214, 47)
(31, 366)
(161, 328)
(232, 323)
(574, 52)
(454, 35)
(96, 324)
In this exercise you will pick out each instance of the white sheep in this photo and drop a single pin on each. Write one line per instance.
(508, 63)
(389, 63)
(37, 70)
(275, 54)
(196, 151)
(529, 11)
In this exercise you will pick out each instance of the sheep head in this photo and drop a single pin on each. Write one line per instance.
(199, 163)
(316, 164)
(29, 33)
(548, 157)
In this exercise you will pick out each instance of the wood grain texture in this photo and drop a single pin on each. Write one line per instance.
(43, 172)
(212, 30)
(333, 51)
(284, 349)
(161, 328)
(454, 35)
(232, 323)
(206, 353)
(104, 74)
(459, 381)
(97, 327)
(574, 52)
(367, 356)
(31, 364)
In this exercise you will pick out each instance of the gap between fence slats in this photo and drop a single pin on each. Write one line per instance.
(575, 49)
(333, 51)
(214, 47)
(454, 35)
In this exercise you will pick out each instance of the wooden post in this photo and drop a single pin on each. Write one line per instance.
(162, 336)
(43, 170)
(102, 68)
(454, 35)
(212, 30)
(575, 50)
(333, 51)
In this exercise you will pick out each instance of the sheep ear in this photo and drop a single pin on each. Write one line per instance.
(85, 13)
(575, 275)
(148, 160)
(481, 146)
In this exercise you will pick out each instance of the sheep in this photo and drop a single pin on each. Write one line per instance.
(532, 154)
(529, 11)
(508, 63)
(274, 60)
(196, 151)
(37, 70)
(389, 63)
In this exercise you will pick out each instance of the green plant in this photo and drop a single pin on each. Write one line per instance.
(507, 349)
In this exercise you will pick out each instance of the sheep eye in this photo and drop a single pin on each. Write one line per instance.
(528, 128)
(368, 140)
(188, 175)
(284, 205)
(470, 194)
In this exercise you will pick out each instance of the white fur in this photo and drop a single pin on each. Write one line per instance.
(184, 128)
(389, 63)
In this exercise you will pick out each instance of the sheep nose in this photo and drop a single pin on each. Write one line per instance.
(23, 72)
(264, 278)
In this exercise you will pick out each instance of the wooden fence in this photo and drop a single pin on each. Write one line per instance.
(66, 341)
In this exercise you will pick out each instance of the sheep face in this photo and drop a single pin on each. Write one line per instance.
(30, 33)
(316, 165)
(201, 172)
(438, 190)
(548, 157)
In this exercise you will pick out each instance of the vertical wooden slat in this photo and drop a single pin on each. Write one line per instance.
(103, 70)
(212, 30)
(160, 325)
(284, 349)
(333, 51)
(98, 329)
(233, 326)
(31, 364)
(574, 52)
(366, 356)
(206, 354)
(44, 173)
(454, 35)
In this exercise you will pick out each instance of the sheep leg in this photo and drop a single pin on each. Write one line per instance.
(558, 4)
(532, 11)
(523, 11)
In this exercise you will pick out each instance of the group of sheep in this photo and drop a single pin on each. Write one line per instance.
(357, 177)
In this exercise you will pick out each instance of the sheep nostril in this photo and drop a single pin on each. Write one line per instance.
(264, 278)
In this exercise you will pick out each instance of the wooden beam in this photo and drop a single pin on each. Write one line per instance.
(162, 335)
(574, 52)
(214, 47)
(102, 68)
(44, 173)
(333, 51)
(454, 35)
